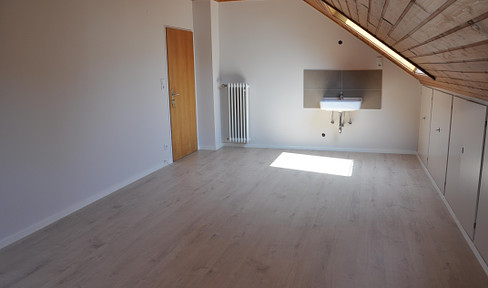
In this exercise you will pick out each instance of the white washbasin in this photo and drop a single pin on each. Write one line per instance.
(344, 104)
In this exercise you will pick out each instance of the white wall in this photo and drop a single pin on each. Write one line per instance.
(269, 43)
(215, 20)
(81, 109)
(206, 34)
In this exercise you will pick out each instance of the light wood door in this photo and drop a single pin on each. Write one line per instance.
(439, 137)
(424, 124)
(481, 231)
(464, 162)
(181, 73)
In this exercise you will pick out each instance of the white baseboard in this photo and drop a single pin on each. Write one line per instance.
(322, 148)
(61, 214)
(456, 220)
(208, 148)
(219, 145)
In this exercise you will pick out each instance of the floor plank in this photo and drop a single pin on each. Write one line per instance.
(228, 219)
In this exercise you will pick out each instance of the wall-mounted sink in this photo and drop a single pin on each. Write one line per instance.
(341, 104)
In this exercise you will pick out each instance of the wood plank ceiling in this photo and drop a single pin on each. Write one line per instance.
(445, 38)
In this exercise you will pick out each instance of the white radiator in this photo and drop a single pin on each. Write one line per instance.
(238, 96)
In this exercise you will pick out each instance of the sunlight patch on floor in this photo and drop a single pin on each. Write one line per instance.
(317, 164)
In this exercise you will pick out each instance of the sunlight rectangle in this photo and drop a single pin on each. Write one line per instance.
(317, 164)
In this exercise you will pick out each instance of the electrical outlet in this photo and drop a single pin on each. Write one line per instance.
(379, 62)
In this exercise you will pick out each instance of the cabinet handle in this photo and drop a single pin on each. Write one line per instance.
(424, 117)
(462, 150)
(438, 129)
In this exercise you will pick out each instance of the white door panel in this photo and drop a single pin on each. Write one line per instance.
(481, 233)
(439, 137)
(464, 162)
(424, 124)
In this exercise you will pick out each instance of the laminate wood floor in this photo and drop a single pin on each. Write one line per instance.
(228, 219)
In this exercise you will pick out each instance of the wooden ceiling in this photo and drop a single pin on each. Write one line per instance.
(446, 38)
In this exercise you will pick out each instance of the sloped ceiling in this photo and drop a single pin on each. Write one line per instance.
(446, 38)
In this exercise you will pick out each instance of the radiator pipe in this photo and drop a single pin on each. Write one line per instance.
(227, 85)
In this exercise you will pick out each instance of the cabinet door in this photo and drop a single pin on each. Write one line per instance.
(439, 137)
(424, 124)
(464, 162)
(481, 233)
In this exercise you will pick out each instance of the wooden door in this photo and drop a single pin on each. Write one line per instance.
(181, 73)
(424, 124)
(439, 137)
(464, 162)
(481, 231)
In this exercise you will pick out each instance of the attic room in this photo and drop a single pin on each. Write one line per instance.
(179, 143)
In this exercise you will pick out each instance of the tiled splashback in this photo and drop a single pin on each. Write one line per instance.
(353, 83)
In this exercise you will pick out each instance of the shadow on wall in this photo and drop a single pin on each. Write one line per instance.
(224, 102)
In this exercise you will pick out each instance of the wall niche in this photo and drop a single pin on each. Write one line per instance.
(318, 84)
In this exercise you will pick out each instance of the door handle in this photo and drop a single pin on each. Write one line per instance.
(173, 100)
(173, 94)
(438, 129)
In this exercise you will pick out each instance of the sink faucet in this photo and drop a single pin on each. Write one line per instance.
(341, 95)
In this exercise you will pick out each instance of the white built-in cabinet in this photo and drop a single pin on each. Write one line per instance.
(454, 158)
(439, 137)
(481, 232)
(424, 123)
(464, 161)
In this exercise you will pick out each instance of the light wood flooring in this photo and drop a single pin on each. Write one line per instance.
(228, 219)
